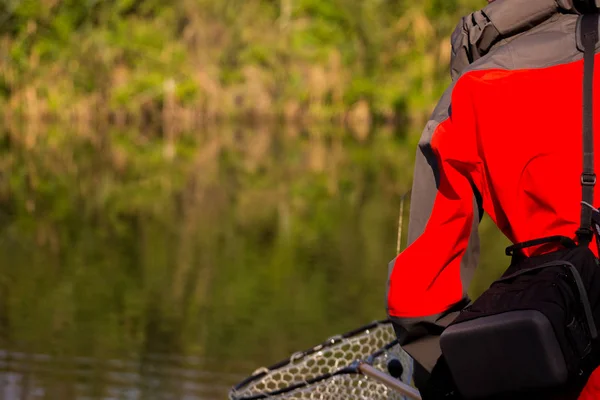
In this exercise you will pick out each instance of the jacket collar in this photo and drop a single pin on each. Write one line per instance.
(477, 33)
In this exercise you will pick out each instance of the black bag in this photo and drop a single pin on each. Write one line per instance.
(534, 329)
(531, 330)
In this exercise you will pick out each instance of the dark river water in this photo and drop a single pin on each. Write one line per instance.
(128, 272)
(39, 376)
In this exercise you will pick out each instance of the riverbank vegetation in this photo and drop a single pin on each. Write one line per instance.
(190, 62)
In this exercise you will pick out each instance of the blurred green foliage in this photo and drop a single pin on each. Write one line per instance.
(229, 57)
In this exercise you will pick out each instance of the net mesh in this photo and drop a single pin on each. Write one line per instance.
(328, 358)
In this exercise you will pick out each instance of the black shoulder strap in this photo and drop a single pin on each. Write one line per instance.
(589, 38)
(563, 240)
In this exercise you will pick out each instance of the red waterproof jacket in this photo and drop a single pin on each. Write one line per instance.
(506, 139)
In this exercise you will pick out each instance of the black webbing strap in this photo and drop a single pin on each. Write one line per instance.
(589, 38)
(563, 240)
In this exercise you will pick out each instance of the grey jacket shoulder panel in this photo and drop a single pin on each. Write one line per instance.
(532, 34)
(548, 44)
(477, 33)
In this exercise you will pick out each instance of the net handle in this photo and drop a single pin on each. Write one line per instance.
(389, 381)
(400, 223)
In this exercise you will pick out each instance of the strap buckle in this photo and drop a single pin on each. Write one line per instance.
(584, 235)
(588, 179)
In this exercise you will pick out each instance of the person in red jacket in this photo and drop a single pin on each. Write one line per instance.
(504, 139)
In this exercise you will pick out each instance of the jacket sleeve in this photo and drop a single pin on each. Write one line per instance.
(430, 279)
